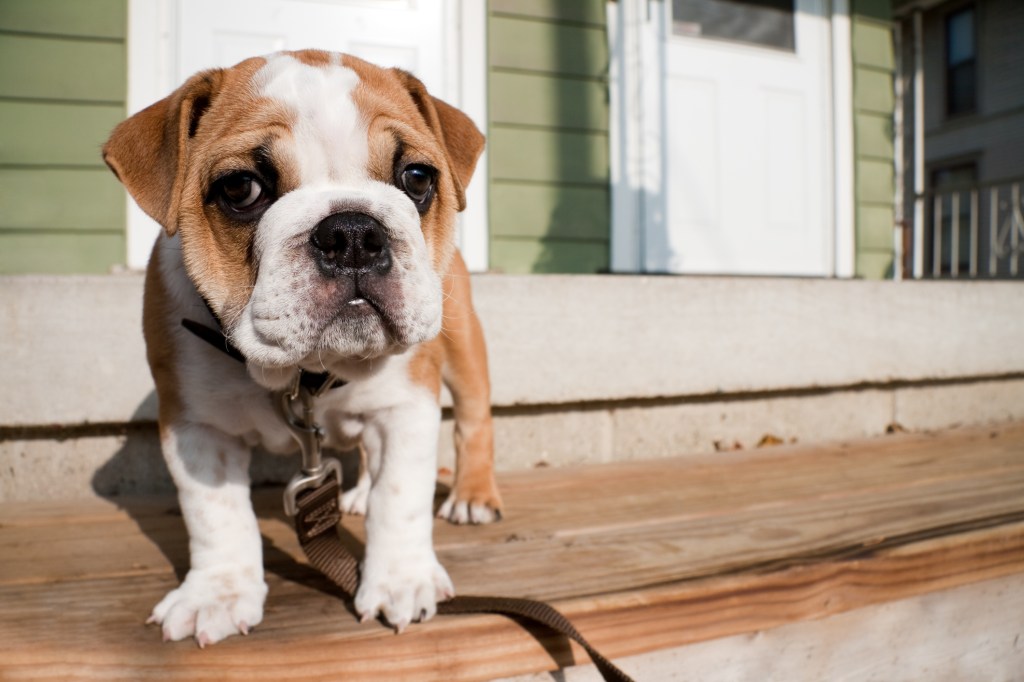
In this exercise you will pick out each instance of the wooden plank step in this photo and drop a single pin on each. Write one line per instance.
(643, 556)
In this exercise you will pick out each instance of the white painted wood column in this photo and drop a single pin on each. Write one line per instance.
(844, 208)
(636, 113)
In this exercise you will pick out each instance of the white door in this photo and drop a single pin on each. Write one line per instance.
(404, 33)
(747, 172)
(440, 41)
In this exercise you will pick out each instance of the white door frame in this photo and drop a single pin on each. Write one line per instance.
(636, 106)
(153, 33)
(636, 33)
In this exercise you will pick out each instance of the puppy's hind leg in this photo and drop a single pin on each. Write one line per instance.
(355, 499)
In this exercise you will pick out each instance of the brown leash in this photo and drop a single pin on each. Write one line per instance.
(316, 520)
(312, 498)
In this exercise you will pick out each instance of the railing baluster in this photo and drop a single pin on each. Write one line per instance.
(974, 234)
(917, 266)
(1015, 228)
(993, 231)
(938, 246)
(954, 237)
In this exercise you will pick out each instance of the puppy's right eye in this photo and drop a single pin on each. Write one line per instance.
(241, 193)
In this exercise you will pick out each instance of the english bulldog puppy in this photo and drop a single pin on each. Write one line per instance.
(308, 201)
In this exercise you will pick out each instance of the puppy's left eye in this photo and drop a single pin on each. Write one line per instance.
(241, 193)
(417, 181)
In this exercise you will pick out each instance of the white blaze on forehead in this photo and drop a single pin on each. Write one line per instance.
(330, 134)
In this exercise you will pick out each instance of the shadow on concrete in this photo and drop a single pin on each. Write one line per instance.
(581, 217)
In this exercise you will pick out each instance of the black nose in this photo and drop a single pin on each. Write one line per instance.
(351, 243)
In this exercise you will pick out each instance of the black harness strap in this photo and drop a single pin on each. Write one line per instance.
(215, 338)
(312, 381)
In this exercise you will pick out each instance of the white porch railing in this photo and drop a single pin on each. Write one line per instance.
(970, 231)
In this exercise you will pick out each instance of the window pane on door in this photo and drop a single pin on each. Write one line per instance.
(767, 23)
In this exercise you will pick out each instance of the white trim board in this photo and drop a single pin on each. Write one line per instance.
(636, 128)
(842, 136)
(152, 40)
(474, 232)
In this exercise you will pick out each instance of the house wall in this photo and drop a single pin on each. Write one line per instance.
(548, 130)
(992, 136)
(873, 103)
(62, 89)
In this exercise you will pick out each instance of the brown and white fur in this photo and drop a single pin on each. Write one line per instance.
(256, 172)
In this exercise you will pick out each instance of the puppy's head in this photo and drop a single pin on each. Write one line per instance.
(315, 198)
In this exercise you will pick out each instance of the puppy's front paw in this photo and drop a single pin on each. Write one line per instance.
(402, 588)
(211, 605)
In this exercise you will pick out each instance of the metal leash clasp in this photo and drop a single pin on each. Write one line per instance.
(315, 468)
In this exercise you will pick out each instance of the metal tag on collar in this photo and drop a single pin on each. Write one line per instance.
(315, 468)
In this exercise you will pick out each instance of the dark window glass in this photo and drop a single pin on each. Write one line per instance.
(960, 62)
(768, 23)
(959, 175)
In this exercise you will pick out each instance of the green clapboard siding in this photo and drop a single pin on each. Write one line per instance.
(539, 211)
(874, 227)
(874, 182)
(875, 264)
(96, 19)
(874, 134)
(59, 199)
(63, 80)
(34, 133)
(874, 90)
(543, 100)
(548, 130)
(580, 11)
(57, 252)
(548, 47)
(549, 255)
(872, 44)
(549, 156)
(52, 68)
(873, 103)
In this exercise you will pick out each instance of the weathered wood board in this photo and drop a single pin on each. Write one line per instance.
(945, 636)
(644, 556)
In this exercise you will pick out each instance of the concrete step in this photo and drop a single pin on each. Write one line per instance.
(585, 369)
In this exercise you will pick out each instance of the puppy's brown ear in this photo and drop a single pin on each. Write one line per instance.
(147, 152)
(459, 135)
